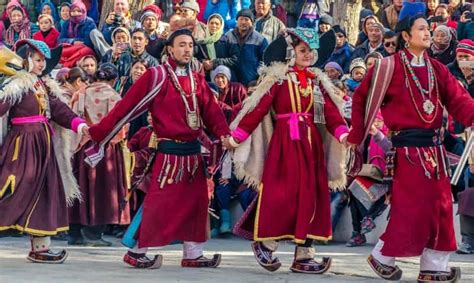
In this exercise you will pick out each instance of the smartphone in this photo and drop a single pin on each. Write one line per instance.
(123, 46)
(466, 64)
(437, 19)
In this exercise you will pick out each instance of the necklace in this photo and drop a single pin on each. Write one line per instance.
(435, 108)
(192, 116)
(428, 105)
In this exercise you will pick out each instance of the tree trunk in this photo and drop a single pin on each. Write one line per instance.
(347, 14)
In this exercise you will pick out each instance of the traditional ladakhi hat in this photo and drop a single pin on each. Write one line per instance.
(409, 13)
(52, 55)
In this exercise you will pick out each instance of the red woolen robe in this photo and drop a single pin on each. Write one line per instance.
(178, 211)
(421, 214)
(294, 195)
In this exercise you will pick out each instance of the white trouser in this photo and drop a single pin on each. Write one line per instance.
(430, 260)
(191, 250)
(40, 244)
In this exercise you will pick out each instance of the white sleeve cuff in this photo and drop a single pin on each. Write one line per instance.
(342, 136)
(79, 128)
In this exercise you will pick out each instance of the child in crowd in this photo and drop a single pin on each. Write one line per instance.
(357, 74)
(47, 33)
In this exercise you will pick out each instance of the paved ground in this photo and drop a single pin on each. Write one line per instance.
(104, 265)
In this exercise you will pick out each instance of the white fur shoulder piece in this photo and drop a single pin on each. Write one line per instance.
(22, 82)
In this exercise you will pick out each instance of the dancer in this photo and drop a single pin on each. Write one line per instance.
(36, 178)
(417, 90)
(294, 184)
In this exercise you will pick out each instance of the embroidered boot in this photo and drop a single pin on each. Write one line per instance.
(264, 255)
(437, 276)
(142, 261)
(225, 221)
(202, 261)
(304, 262)
(387, 272)
(40, 252)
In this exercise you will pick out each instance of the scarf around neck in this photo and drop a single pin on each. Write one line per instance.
(211, 39)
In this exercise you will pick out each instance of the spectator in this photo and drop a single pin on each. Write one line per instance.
(64, 14)
(120, 44)
(458, 7)
(363, 35)
(371, 57)
(49, 8)
(390, 14)
(325, 24)
(431, 7)
(73, 82)
(358, 69)
(390, 42)
(47, 32)
(221, 7)
(20, 27)
(78, 28)
(155, 29)
(266, 24)
(375, 34)
(209, 47)
(119, 17)
(443, 47)
(89, 65)
(443, 11)
(138, 51)
(465, 75)
(343, 51)
(466, 214)
(235, 7)
(334, 71)
(189, 11)
(465, 27)
(8, 9)
(251, 45)
(139, 67)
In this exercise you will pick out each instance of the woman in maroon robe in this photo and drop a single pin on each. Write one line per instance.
(294, 184)
(36, 178)
(103, 187)
(421, 216)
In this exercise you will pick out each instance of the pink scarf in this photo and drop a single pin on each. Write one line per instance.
(74, 21)
(23, 30)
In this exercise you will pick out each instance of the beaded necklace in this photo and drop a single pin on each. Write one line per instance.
(427, 108)
(428, 105)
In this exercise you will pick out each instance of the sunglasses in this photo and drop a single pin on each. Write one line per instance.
(390, 43)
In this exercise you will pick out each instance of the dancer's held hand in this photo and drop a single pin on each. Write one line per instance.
(226, 143)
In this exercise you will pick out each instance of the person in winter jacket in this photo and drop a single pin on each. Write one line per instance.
(47, 32)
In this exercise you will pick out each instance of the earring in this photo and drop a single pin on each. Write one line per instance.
(407, 45)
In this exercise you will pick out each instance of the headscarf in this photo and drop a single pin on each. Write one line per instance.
(23, 29)
(445, 45)
(54, 11)
(211, 39)
(76, 20)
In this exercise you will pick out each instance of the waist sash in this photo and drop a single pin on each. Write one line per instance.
(179, 148)
(416, 138)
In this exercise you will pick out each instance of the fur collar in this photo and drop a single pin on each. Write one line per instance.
(23, 82)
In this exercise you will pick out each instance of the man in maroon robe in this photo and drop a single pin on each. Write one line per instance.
(176, 204)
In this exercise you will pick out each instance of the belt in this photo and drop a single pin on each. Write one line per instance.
(179, 148)
(416, 138)
(293, 123)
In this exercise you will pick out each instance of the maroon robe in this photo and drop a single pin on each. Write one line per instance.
(178, 211)
(32, 197)
(294, 198)
(421, 208)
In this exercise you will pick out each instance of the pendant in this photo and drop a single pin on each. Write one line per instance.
(306, 91)
(428, 107)
(193, 120)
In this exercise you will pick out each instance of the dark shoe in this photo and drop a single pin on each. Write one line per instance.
(356, 240)
(264, 257)
(98, 243)
(76, 241)
(367, 224)
(202, 262)
(47, 256)
(436, 276)
(60, 237)
(142, 261)
(465, 249)
(387, 272)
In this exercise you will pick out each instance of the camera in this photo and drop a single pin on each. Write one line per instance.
(118, 19)
(466, 64)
